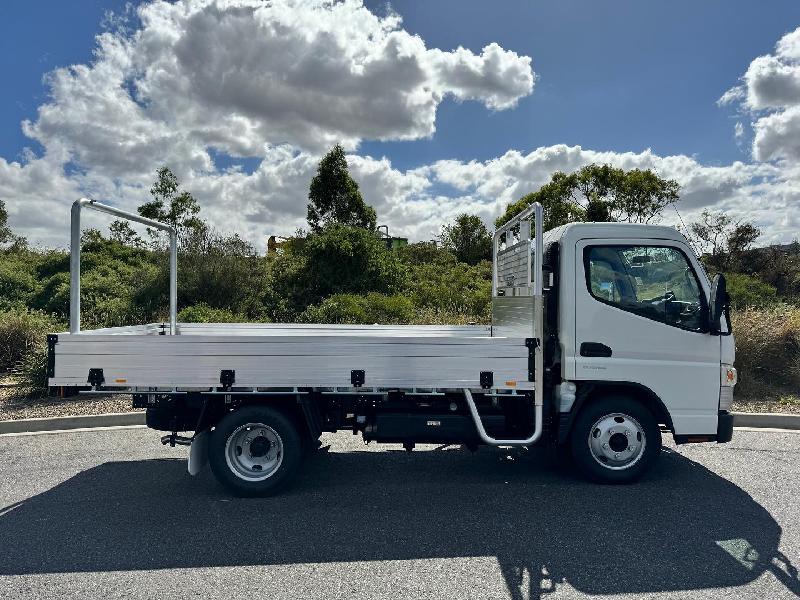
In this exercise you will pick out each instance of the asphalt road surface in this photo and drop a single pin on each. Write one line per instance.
(114, 514)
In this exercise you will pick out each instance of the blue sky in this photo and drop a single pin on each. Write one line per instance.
(625, 75)
(611, 77)
(32, 46)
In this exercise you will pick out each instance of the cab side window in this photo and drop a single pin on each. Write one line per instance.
(656, 282)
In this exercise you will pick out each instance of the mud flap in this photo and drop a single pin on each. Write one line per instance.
(198, 453)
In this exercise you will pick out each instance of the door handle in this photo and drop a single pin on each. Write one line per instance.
(595, 349)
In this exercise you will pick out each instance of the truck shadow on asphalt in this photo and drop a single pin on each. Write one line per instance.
(682, 528)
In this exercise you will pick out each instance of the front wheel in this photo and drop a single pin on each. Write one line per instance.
(615, 440)
(255, 451)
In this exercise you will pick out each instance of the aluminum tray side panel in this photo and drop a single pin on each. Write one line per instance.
(288, 360)
(512, 316)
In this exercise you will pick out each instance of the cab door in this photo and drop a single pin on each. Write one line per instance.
(641, 317)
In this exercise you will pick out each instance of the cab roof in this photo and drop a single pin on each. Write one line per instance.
(572, 232)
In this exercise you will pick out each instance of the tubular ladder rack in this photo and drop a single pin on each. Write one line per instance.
(75, 260)
(532, 274)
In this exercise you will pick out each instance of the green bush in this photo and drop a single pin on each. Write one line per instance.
(767, 346)
(22, 331)
(32, 369)
(112, 276)
(18, 278)
(338, 260)
(442, 287)
(203, 313)
(428, 315)
(222, 272)
(366, 310)
(746, 290)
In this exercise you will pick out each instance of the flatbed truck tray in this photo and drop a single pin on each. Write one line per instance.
(270, 356)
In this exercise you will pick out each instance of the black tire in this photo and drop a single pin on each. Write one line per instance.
(287, 445)
(604, 469)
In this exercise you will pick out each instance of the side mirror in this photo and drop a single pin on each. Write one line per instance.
(719, 306)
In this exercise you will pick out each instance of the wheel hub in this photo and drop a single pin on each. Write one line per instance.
(254, 452)
(617, 441)
(260, 447)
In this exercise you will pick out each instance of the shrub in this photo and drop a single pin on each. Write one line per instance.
(353, 309)
(32, 369)
(445, 286)
(203, 313)
(18, 278)
(420, 253)
(338, 260)
(767, 346)
(428, 315)
(21, 332)
(221, 271)
(746, 290)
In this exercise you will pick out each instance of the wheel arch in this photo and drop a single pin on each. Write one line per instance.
(298, 410)
(589, 391)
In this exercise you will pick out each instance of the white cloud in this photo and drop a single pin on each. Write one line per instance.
(236, 75)
(778, 135)
(733, 95)
(771, 90)
(762, 193)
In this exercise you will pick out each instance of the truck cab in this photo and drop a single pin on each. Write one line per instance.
(635, 342)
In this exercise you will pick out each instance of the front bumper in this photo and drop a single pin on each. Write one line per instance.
(724, 427)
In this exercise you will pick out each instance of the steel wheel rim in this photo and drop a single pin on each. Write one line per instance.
(254, 452)
(606, 439)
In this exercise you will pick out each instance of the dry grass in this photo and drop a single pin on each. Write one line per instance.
(768, 349)
(21, 332)
(768, 359)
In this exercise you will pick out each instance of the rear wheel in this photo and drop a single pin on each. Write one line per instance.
(615, 440)
(255, 451)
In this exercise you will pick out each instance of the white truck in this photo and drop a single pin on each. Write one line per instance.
(603, 336)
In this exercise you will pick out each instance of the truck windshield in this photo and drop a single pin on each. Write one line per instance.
(656, 282)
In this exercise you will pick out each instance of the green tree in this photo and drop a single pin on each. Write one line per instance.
(599, 185)
(7, 236)
(5, 230)
(468, 239)
(723, 240)
(710, 233)
(223, 272)
(642, 195)
(599, 193)
(122, 232)
(740, 240)
(172, 206)
(556, 199)
(339, 260)
(334, 196)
